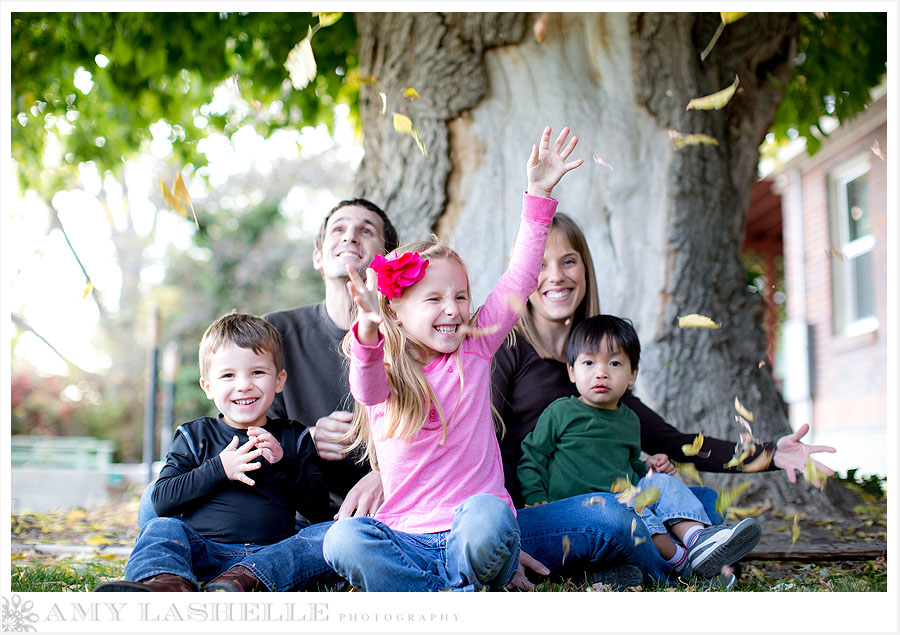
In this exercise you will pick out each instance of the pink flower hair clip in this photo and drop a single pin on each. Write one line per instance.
(398, 271)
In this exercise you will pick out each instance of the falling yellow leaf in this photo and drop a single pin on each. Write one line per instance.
(420, 143)
(715, 101)
(471, 331)
(540, 28)
(727, 498)
(516, 303)
(694, 448)
(624, 490)
(383, 102)
(690, 471)
(746, 512)
(680, 140)
(301, 64)
(180, 191)
(87, 290)
(760, 463)
(876, 149)
(646, 497)
(742, 410)
(838, 253)
(170, 199)
(596, 500)
(327, 19)
(697, 321)
(368, 79)
(739, 457)
(639, 541)
(730, 17)
(566, 545)
(402, 123)
(813, 475)
(600, 161)
(795, 530)
(411, 93)
(761, 363)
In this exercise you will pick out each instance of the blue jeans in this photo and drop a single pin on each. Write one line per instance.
(169, 545)
(145, 508)
(676, 502)
(599, 534)
(481, 549)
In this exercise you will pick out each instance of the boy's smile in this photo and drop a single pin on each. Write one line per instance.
(242, 383)
(602, 376)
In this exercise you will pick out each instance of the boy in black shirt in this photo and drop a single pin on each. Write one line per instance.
(235, 481)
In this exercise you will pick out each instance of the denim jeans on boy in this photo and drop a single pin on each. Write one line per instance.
(676, 502)
(598, 532)
(481, 549)
(169, 545)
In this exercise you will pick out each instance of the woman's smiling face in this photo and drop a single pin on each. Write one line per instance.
(561, 283)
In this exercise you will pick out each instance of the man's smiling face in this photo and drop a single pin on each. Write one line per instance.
(353, 235)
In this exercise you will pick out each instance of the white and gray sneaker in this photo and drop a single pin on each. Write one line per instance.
(721, 545)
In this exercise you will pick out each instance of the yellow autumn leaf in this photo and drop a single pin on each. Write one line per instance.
(411, 93)
(327, 19)
(715, 101)
(795, 529)
(689, 470)
(566, 545)
(760, 463)
(87, 290)
(180, 191)
(97, 540)
(742, 410)
(624, 490)
(599, 161)
(383, 102)
(170, 199)
(402, 123)
(681, 140)
(540, 28)
(471, 331)
(813, 475)
(745, 512)
(877, 151)
(697, 321)
(727, 498)
(646, 497)
(420, 143)
(301, 64)
(739, 457)
(730, 17)
(368, 79)
(596, 500)
(693, 449)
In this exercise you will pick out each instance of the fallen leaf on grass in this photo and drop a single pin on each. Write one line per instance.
(715, 101)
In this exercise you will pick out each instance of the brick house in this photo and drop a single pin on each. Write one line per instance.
(832, 358)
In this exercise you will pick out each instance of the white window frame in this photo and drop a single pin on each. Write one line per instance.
(844, 292)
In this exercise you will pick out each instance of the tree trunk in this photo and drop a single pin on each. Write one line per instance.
(665, 226)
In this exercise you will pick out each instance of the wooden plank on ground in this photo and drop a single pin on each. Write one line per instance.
(779, 547)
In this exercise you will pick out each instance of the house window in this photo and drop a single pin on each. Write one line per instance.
(853, 243)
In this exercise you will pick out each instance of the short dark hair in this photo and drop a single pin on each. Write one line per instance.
(391, 241)
(589, 333)
(243, 330)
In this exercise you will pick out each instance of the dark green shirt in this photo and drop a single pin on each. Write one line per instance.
(578, 449)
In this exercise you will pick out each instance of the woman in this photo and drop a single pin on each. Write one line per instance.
(529, 373)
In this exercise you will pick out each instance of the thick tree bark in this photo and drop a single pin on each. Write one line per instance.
(664, 226)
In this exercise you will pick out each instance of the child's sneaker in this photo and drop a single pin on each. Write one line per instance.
(720, 545)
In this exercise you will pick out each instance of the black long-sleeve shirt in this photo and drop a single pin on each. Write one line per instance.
(193, 484)
(523, 384)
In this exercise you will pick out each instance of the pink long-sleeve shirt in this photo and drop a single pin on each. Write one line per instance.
(424, 480)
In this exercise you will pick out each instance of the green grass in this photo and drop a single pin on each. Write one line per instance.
(63, 576)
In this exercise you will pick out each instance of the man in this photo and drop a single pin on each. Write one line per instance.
(317, 393)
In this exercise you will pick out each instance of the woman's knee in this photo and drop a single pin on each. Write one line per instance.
(346, 540)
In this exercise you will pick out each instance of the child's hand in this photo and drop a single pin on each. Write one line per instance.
(660, 463)
(366, 298)
(264, 441)
(546, 165)
(236, 461)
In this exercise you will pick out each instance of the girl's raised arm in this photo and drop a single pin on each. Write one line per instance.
(547, 165)
(366, 299)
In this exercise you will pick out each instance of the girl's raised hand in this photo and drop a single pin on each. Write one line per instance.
(547, 165)
(365, 297)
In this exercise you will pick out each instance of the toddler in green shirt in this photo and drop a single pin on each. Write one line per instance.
(584, 444)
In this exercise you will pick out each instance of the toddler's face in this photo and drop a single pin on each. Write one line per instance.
(602, 376)
(242, 383)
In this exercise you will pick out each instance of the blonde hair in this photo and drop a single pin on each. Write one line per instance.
(411, 396)
(589, 305)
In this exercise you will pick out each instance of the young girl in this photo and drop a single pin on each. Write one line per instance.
(422, 385)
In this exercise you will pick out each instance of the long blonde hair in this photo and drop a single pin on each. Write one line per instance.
(411, 396)
(590, 304)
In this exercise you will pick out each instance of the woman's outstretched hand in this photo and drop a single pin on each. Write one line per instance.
(547, 165)
(792, 454)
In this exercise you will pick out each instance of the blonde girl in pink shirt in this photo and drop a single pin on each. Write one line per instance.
(420, 366)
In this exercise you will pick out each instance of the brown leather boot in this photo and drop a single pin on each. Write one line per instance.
(164, 582)
(238, 578)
